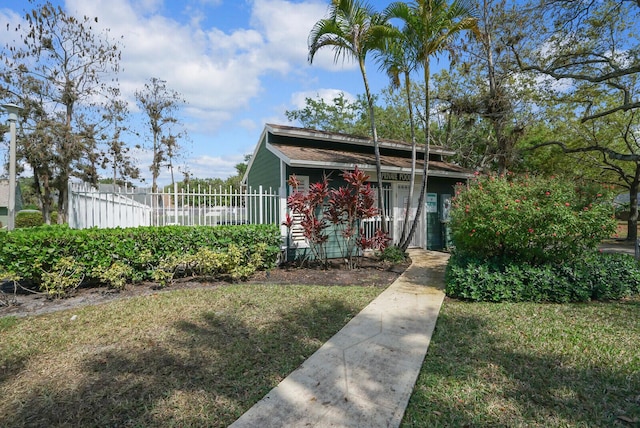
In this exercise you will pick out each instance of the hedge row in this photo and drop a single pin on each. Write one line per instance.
(598, 276)
(31, 252)
(32, 219)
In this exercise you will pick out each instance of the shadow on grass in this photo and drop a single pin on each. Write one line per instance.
(211, 371)
(476, 376)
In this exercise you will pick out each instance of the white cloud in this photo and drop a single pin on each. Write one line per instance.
(202, 166)
(214, 166)
(11, 19)
(218, 72)
(298, 99)
(248, 124)
(287, 33)
(232, 76)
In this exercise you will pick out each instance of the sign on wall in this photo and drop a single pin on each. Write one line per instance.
(395, 176)
(431, 204)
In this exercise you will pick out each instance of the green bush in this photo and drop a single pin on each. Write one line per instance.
(26, 219)
(65, 276)
(32, 253)
(234, 263)
(393, 254)
(529, 219)
(597, 276)
(115, 276)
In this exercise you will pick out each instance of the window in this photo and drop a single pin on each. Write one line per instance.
(297, 232)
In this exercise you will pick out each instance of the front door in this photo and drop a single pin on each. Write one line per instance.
(400, 207)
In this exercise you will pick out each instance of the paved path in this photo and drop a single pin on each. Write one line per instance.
(618, 246)
(364, 375)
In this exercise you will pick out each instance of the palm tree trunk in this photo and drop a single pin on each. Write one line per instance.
(412, 181)
(376, 148)
(427, 149)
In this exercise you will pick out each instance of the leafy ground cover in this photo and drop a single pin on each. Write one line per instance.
(533, 365)
(197, 357)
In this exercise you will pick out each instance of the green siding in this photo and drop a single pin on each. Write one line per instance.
(265, 172)
(436, 230)
(436, 239)
(335, 180)
(265, 169)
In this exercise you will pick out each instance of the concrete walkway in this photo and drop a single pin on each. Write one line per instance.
(364, 375)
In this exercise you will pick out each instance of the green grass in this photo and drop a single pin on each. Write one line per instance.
(203, 357)
(7, 322)
(182, 358)
(531, 365)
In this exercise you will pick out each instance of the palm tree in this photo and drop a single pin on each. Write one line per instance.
(398, 60)
(353, 29)
(431, 25)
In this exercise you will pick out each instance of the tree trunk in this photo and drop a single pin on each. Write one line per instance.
(412, 183)
(427, 150)
(632, 223)
(376, 149)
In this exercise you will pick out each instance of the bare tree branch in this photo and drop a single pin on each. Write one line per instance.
(630, 157)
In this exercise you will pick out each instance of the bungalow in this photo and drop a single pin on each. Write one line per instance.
(310, 154)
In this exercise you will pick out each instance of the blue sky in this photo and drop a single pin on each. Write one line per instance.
(239, 64)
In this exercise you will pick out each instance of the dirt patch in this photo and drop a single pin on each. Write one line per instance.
(371, 272)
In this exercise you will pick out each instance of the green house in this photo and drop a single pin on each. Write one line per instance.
(310, 154)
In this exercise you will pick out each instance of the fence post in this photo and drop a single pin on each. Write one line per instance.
(261, 208)
(175, 202)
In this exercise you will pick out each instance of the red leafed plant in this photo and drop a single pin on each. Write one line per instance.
(343, 208)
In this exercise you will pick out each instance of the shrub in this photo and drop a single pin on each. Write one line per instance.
(393, 254)
(29, 219)
(8, 284)
(529, 219)
(65, 276)
(596, 276)
(235, 263)
(340, 210)
(33, 254)
(610, 276)
(115, 276)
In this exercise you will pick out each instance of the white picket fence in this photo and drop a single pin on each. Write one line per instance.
(109, 206)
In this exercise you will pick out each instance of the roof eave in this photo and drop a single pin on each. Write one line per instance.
(296, 163)
(351, 139)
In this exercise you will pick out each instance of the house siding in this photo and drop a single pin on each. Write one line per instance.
(315, 176)
(435, 228)
(316, 155)
(333, 248)
(265, 170)
(437, 233)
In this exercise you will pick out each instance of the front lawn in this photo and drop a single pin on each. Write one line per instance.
(181, 358)
(531, 365)
(203, 357)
